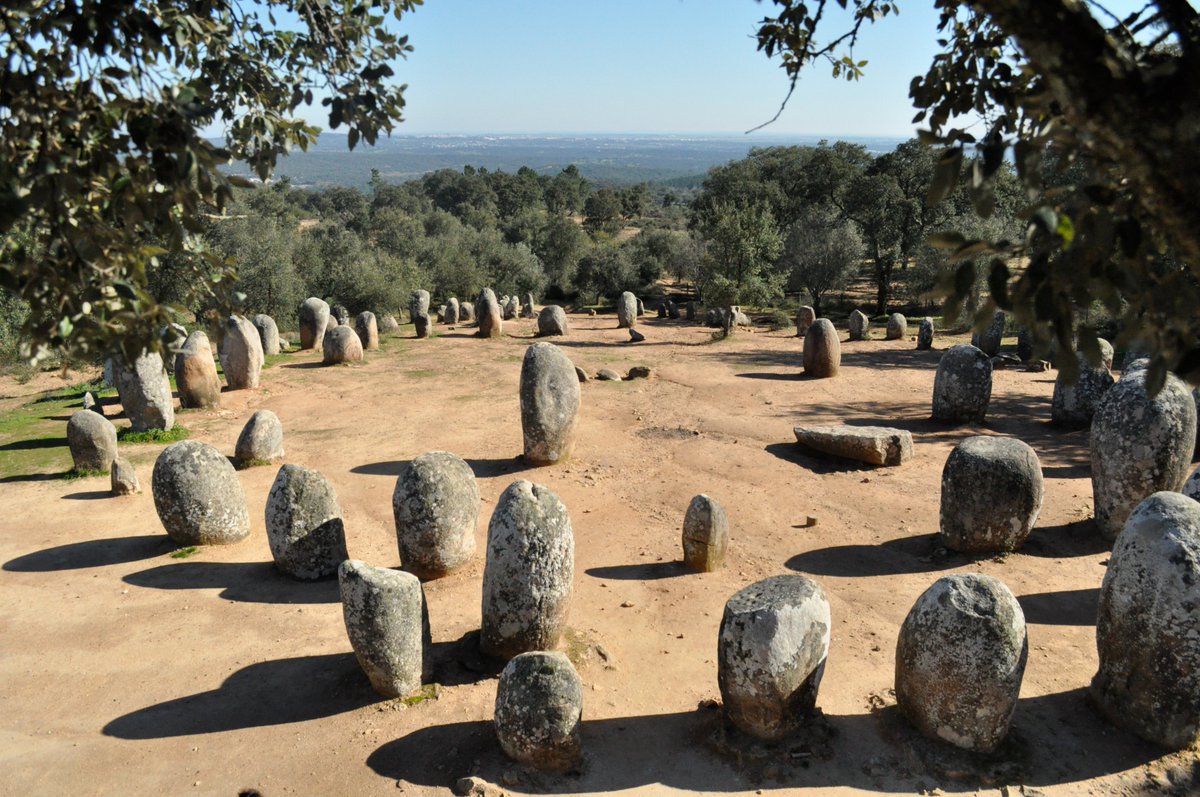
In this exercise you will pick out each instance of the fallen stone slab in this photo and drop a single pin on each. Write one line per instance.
(875, 445)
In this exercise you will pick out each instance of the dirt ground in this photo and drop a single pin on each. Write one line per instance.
(126, 671)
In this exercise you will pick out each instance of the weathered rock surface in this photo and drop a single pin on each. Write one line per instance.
(387, 621)
(582, 374)
(897, 326)
(451, 314)
(418, 304)
(627, 310)
(342, 346)
(991, 495)
(487, 310)
(89, 403)
(527, 307)
(122, 478)
(925, 334)
(1026, 344)
(874, 445)
(435, 506)
(1139, 446)
(539, 704)
(261, 439)
(608, 375)
(529, 570)
(960, 659)
(198, 496)
(635, 336)
(988, 341)
(771, 651)
(962, 387)
(92, 440)
(241, 354)
(466, 312)
(705, 535)
(1148, 629)
(860, 325)
(822, 350)
(1073, 405)
(196, 374)
(304, 524)
(314, 320)
(268, 334)
(145, 392)
(340, 314)
(388, 324)
(549, 404)
(422, 325)
(1191, 487)
(805, 317)
(512, 308)
(552, 321)
(367, 330)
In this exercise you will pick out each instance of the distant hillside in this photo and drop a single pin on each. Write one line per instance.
(679, 161)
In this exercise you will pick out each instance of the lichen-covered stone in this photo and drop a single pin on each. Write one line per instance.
(539, 704)
(418, 304)
(988, 341)
(268, 334)
(552, 320)
(1139, 446)
(450, 314)
(1073, 405)
(422, 325)
(145, 392)
(897, 326)
(860, 325)
(822, 350)
(304, 524)
(196, 376)
(529, 570)
(527, 307)
(314, 320)
(466, 312)
(705, 535)
(627, 310)
(387, 621)
(122, 478)
(960, 660)
(874, 445)
(261, 439)
(342, 346)
(962, 387)
(490, 315)
(340, 314)
(1148, 624)
(549, 404)
(367, 330)
(771, 651)
(388, 324)
(925, 334)
(435, 506)
(241, 354)
(511, 308)
(991, 495)
(198, 496)
(92, 440)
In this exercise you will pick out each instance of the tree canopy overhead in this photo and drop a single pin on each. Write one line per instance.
(1117, 98)
(103, 163)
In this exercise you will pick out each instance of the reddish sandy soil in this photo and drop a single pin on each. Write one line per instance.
(126, 671)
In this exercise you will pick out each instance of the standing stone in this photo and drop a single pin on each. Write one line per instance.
(582, 374)
(196, 374)
(962, 387)
(145, 392)
(988, 341)
(641, 306)
(539, 703)
(672, 310)
(728, 320)
(1140, 445)
(527, 309)
(304, 524)
(487, 310)
(552, 321)
(805, 317)
(198, 496)
(314, 319)
(331, 323)
(822, 350)
(92, 439)
(451, 314)
(422, 325)
(466, 312)
(388, 324)
(441, 314)
(771, 651)
(1025, 344)
(897, 326)
(173, 337)
(261, 439)
(860, 325)
(387, 621)
(691, 311)
(991, 495)
(340, 314)
(342, 346)
(268, 334)
(925, 334)
(122, 478)
(241, 354)
(960, 659)
(705, 535)
(627, 310)
(512, 308)
(527, 578)
(1147, 628)
(549, 404)
(418, 304)
(662, 309)
(435, 506)
(1073, 406)
(367, 330)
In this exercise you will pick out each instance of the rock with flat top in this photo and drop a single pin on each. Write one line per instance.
(123, 478)
(874, 445)
(387, 621)
(314, 320)
(705, 535)
(991, 495)
(627, 310)
(962, 387)
(304, 524)
(93, 441)
(145, 392)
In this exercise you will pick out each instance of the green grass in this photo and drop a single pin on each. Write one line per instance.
(244, 464)
(33, 436)
(174, 435)
(75, 475)
(184, 553)
(426, 692)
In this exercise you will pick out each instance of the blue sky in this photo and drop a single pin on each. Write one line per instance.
(644, 66)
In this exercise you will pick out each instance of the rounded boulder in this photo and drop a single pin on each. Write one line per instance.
(860, 325)
(549, 404)
(367, 330)
(489, 314)
(962, 387)
(342, 346)
(387, 621)
(261, 439)
(822, 350)
(92, 440)
(304, 524)
(436, 507)
(196, 373)
(539, 705)
(198, 496)
(552, 320)
(314, 320)
(627, 310)
(991, 495)
(241, 354)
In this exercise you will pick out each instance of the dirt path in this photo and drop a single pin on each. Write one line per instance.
(127, 671)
